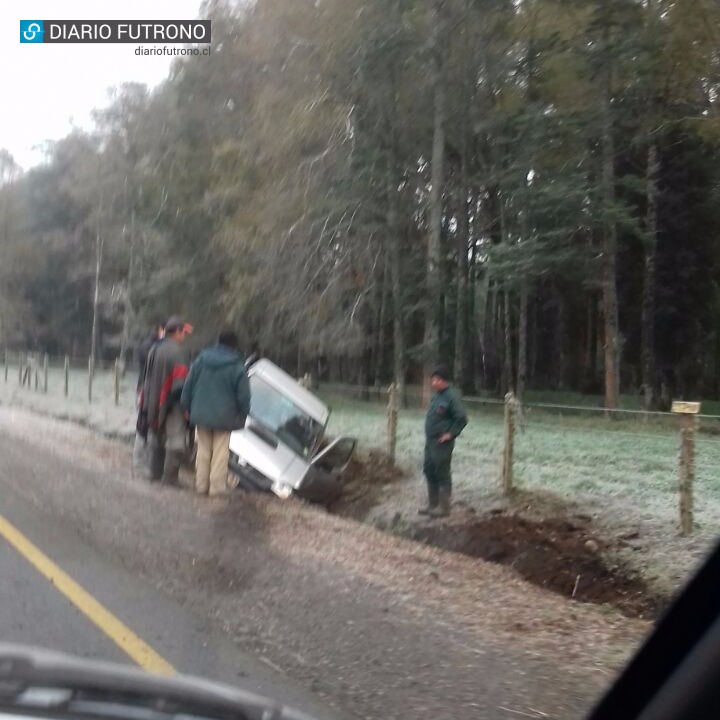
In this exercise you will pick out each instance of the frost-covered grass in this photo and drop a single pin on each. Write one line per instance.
(101, 414)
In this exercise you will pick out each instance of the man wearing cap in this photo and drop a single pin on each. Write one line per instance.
(165, 374)
(444, 421)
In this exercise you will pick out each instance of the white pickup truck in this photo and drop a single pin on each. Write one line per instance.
(283, 447)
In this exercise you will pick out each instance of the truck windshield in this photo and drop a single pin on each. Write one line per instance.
(292, 426)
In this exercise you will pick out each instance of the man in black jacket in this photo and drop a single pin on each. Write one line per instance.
(155, 335)
(141, 449)
(167, 368)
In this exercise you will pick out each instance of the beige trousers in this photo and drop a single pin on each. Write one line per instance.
(211, 466)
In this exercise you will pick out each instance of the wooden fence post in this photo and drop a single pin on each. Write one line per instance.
(91, 372)
(392, 420)
(67, 374)
(508, 449)
(116, 380)
(46, 362)
(688, 412)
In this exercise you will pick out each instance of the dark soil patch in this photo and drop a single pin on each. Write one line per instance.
(364, 482)
(555, 554)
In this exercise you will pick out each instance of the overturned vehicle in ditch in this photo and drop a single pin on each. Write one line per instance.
(284, 448)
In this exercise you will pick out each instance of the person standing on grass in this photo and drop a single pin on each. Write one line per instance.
(216, 398)
(167, 368)
(444, 421)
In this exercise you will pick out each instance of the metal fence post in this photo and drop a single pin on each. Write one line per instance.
(392, 420)
(688, 412)
(116, 381)
(20, 369)
(91, 372)
(6, 365)
(509, 446)
(46, 362)
(67, 375)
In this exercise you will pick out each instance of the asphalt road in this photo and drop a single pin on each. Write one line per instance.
(33, 611)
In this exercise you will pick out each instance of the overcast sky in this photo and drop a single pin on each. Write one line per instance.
(45, 89)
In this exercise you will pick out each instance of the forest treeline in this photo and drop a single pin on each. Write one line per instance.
(526, 189)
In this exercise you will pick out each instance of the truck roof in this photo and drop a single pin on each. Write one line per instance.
(291, 388)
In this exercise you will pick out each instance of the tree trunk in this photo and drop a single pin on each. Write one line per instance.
(560, 336)
(522, 342)
(462, 314)
(716, 373)
(461, 320)
(535, 336)
(648, 297)
(507, 345)
(396, 281)
(591, 334)
(127, 318)
(499, 342)
(488, 354)
(523, 319)
(610, 302)
(382, 318)
(474, 332)
(96, 295)
(434, 269)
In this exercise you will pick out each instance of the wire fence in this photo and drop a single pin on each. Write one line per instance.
(74, 378)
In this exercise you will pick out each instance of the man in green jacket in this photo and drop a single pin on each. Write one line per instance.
(444, 421)
(216, 396)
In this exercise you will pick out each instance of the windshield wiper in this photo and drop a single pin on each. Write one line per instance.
(39, 683)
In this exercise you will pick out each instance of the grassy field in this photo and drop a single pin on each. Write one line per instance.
(101, 414)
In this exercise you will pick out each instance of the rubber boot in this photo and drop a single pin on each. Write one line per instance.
(171, 471)
(443, 509)
(157, 459)
(433, 499)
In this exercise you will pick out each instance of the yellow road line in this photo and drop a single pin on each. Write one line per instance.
(119, 633)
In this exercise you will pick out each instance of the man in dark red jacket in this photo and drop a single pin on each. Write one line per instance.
(166, 370)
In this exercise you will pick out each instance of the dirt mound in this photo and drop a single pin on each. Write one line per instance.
(365, 479)
(556, 554)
